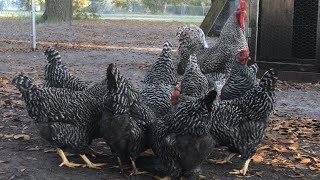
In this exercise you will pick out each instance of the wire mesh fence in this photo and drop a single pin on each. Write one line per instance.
(15, 20)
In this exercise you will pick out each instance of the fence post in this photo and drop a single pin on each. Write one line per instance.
(33, 11)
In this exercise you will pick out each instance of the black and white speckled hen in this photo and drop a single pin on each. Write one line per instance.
(163, 70)
(182, 139)
(125, 119)
(57, 75)
(68, 119)
(240, 123)
(159, 83)
(194, 83)
(190, 37)
(242, 78)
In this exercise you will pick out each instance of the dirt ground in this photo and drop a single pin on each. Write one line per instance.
(291, 148)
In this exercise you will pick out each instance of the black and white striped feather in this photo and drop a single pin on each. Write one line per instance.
(240, 123)
(66, 118)
(125, 117)
(163, 70)
(57, 75)
(182, 139)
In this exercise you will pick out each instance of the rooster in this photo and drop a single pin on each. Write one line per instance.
(240, 123)
(125, 119)
(68, 119)
(57, 75)
(182, 139)
(242, 78)
(216, 62)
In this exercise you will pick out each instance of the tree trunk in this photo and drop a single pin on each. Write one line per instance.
(212, 15)
(164, 6)
(57, 12)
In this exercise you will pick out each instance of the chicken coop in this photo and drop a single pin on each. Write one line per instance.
(288, 38)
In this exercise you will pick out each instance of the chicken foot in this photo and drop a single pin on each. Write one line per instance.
(244, 169)
(65, 161)
(222, 161)
(89, 164)
(135, 169)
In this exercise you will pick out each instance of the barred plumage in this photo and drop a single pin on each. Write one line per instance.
(182, 139)
(190, 37)
(239, 124)
(57, 75)
(66, 118)
(242, 78)
(125, 118)
(163, 70)
(194, 83)
(157, 98)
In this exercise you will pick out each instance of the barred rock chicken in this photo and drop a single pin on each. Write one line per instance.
(186, 34)
(194, 83)
(182, 139)
(216, 62)
(125, 119)
(242, 78)
(163, 70)
(240, 123)
(160, 82)
(68, 119)
(57, 75)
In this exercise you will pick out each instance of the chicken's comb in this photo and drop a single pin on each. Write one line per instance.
(246, 51)
(242, 5)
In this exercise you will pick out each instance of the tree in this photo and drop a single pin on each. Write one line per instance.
(57, 12)
(212, 15)
(61, 11)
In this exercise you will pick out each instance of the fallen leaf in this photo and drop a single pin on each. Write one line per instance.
(4, 161)
(257, 158)
(22, 170)
(305, 161)
(294, 146)
(279, 148)
(286, 141)
(1, 127)
(22, 136)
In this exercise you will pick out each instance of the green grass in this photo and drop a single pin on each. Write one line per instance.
(186, 19)
(140, 17)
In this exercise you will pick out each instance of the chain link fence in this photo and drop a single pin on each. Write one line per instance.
(15, 20)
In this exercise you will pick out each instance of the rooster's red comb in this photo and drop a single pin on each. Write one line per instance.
(242, 5)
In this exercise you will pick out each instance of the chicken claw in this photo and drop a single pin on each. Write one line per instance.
(65, 161)
(244, 169)
(89, 164)
(135, 170)
(222, 161)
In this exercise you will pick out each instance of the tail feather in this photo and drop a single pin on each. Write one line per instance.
(53, 55)
(22, 82)
(269, 80)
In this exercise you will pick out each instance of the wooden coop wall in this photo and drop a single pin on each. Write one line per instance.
(289, 35)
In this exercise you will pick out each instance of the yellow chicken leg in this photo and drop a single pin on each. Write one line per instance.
(135, 170)
(65, 161)
(222, 161)
(89, 164)
(244, 169)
